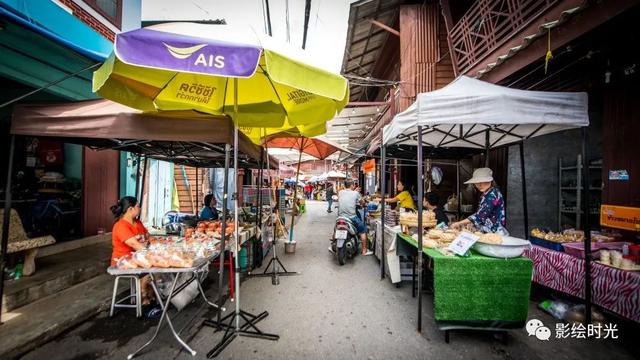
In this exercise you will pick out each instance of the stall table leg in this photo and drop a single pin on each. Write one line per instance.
(165, 306)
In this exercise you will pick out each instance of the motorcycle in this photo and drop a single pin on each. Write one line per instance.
(345, 242)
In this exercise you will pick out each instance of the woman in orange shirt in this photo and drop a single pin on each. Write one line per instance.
(128, 235)
(128, 232)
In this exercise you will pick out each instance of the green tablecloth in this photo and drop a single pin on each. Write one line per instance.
(478, 288)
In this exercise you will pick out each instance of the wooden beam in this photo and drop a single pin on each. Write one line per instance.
(366, 103)
(580, 24)
(383, 26)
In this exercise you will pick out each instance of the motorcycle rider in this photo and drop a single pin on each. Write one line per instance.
(348, 199)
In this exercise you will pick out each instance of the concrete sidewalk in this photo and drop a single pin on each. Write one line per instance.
(326, 312)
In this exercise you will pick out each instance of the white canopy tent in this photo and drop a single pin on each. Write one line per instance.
(471, 113)
(460, 114)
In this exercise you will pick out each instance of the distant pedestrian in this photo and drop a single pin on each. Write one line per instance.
(329, 194)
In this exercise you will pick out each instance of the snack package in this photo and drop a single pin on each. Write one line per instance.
(126, 262)
(141, 258)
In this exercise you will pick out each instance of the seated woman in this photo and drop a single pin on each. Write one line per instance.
(209, 211)
(431, 202)
(129, 235)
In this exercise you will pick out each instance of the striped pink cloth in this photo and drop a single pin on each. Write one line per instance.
(614, 289)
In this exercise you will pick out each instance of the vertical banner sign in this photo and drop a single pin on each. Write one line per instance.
(369, 166)
(620, 217)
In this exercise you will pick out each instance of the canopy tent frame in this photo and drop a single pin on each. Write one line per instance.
(579, 101)
(79, 129)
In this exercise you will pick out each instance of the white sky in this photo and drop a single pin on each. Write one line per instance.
(327, 22)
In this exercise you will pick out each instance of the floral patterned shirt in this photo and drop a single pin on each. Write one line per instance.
(490, 216)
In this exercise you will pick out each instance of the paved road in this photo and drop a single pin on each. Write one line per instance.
(326, 312)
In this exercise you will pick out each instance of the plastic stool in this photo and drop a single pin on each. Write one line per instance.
(135, 295)
(228, 262)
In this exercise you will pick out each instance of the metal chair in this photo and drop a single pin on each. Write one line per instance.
(135, 295)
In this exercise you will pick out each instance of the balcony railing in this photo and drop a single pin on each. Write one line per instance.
(487, 25)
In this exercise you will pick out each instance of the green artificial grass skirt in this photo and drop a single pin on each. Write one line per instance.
(479, 287)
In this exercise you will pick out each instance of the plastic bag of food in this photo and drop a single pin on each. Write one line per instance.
(141, 258)
(126, 262)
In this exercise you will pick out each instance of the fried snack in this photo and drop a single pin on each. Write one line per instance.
(538, 233)
(429, 243)
(447, 237)
(435, 234)
(494, 239)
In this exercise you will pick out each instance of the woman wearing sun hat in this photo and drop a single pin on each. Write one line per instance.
(490, 217)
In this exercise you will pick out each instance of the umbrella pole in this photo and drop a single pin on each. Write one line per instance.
(233, 331)
(295, 191)
(274, 261)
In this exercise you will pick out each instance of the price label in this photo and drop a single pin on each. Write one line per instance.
(463, 243)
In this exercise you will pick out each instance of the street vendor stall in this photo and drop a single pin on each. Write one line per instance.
(102, 124)
(255, 81)
(471, 113)
(467, 292)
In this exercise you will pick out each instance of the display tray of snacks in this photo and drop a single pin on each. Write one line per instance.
(577, 249)
(411, 219)
(615, 259)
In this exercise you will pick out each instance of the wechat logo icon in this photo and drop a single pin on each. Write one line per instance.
(536, 328)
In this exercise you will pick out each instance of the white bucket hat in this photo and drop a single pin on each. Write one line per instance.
(480, 175)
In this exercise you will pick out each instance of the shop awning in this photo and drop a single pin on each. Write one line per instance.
(41, 43)
(461, 114)
(183, 137)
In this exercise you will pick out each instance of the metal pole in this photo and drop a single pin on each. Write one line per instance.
(6, 218)
(307, 12)
(269, 32)
(383, 169)
(295, 190)
(259, 202)
(458, 192)
(225, 192)
(487, 145)
(525, 207)
(197, 192)
(235, 201)
(48, 85)
(286, 5)
(587, 224)
(420, 229)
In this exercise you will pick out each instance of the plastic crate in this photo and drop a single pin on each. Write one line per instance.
(546, 243)
(577, 248)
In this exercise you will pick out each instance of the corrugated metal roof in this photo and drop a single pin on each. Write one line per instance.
(543, 29)
(365, 40)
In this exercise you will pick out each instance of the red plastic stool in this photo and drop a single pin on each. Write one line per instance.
(228, 262)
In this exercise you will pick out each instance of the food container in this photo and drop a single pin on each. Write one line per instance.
(577, 248)
(510, 248)
(546, 243)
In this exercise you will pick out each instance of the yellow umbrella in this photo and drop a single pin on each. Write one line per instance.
(187, 66)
